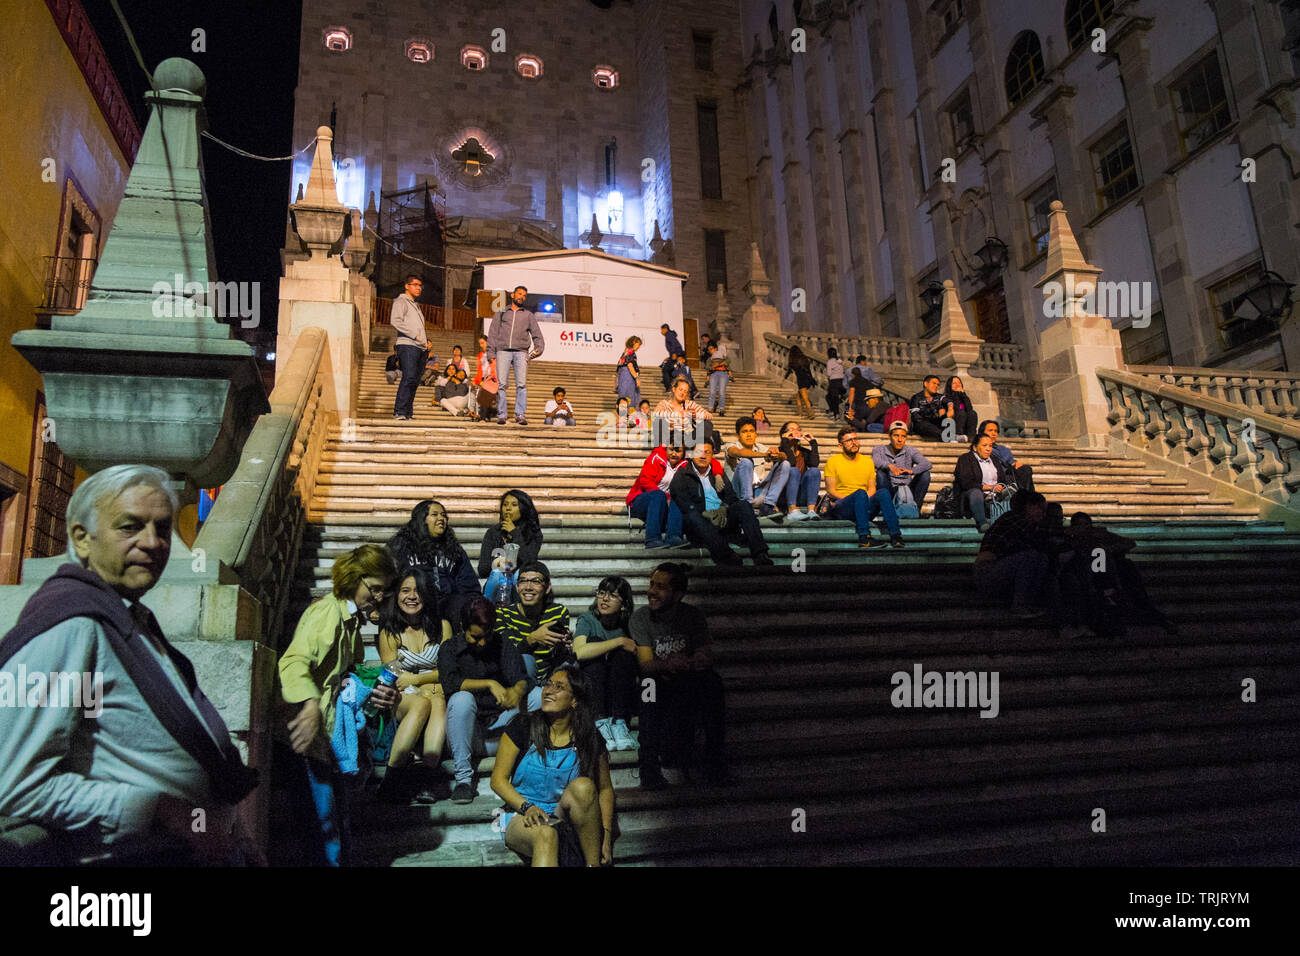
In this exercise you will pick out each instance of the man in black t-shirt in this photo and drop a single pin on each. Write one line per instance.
(672, 641)
(484, 681)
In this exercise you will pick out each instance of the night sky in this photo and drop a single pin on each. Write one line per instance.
(251, 64)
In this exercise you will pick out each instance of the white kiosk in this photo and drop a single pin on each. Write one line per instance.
(622, 297)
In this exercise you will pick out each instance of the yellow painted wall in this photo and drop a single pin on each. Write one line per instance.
(46, 110)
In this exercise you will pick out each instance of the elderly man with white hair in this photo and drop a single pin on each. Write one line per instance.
(131, 763)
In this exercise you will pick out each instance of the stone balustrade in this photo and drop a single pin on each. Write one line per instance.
(257, 522)
(1248, 456)
(1274, 393)
(910, 357)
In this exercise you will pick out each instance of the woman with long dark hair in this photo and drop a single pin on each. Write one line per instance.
(960, 409)
(799, 365)
(411, 630)
(428, 541)
(552, 770)
(607, 655)
(627, 381)
(517, 523)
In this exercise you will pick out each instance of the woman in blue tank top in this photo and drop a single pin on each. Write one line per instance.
(552, 768)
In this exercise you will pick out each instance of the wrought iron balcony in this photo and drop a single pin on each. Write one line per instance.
(67, 282)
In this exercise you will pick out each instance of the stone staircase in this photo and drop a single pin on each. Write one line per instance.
(1150, 728)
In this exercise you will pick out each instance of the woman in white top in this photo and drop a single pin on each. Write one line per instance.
(411, 630)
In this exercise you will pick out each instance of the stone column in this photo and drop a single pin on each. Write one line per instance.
(318, 291)
(1076, 344)
(792, 179)
(360, 261)
(825, 233)
(956, 348)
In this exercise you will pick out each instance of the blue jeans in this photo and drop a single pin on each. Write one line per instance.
(410, 359)
(329, 794)
(743, 481)
(519, 360)
(801, 490)
(862, 509)
(717, 391)
(462, 712)
(974, 499)
(660, 515)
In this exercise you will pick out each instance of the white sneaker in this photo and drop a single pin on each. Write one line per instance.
(623, 739)
(797, 515)
(606, 731)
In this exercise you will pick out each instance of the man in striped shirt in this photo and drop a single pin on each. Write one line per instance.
(538, 625)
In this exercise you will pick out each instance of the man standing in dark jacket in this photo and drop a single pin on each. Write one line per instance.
(672, 344)
(711, 510)
(508, 342)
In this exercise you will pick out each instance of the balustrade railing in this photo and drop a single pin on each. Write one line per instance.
(910, 357)
(256, 525)
(1252, 452)
(1275, 393)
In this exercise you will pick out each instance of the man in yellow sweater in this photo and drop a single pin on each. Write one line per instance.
(851, 485)
(326, 647)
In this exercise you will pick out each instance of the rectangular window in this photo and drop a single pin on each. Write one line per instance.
(930, 319)
(706, 121)
(1114, 168)
(1237, 320)
(889, 320)
(961, 116)
(1149, 346)
(703, 43)
(715, 258)
(1038, 207)
(1200, 104)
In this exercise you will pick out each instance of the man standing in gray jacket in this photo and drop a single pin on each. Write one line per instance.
(513, 331)
(412, 346)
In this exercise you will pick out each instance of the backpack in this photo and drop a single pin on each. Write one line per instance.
(897, 413)
(392, 371)
(945, 504)
(904, 503)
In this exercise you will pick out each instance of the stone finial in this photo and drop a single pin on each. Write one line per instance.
(657, 241)
(372, 212)
(954, 326)
(298, 198)
(593, 235)
(758, 285)
(321, 188)
(1063, 253)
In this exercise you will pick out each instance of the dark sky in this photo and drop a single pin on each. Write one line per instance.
(251, 65)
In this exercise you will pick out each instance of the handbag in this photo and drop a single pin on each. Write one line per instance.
(1000, 502)
(392, 371)
(945, 504)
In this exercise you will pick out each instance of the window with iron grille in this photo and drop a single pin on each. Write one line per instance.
(1114, 167)
(1038, 209)
(1148, 346)
(1024, 67)
(961, 116)
(1236, 319)
(1084, 16)
(1201, 104)
(715, 258)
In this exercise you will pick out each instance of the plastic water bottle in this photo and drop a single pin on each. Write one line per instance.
(502, 596)
(386, 679)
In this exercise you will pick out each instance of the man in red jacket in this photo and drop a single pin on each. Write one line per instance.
(648, 498)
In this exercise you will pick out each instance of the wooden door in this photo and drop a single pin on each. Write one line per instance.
(691, 341)
(991, 322)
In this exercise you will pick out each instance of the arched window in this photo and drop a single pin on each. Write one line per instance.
(473, 58)
(1084, 16)
(337, 39)
(1024, 67)
(774, 28)
(528, 66)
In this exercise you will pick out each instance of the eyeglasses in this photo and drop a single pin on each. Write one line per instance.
(557, 686)
(376, 590)
(531, 582)
(605, 593)
(848, 438)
